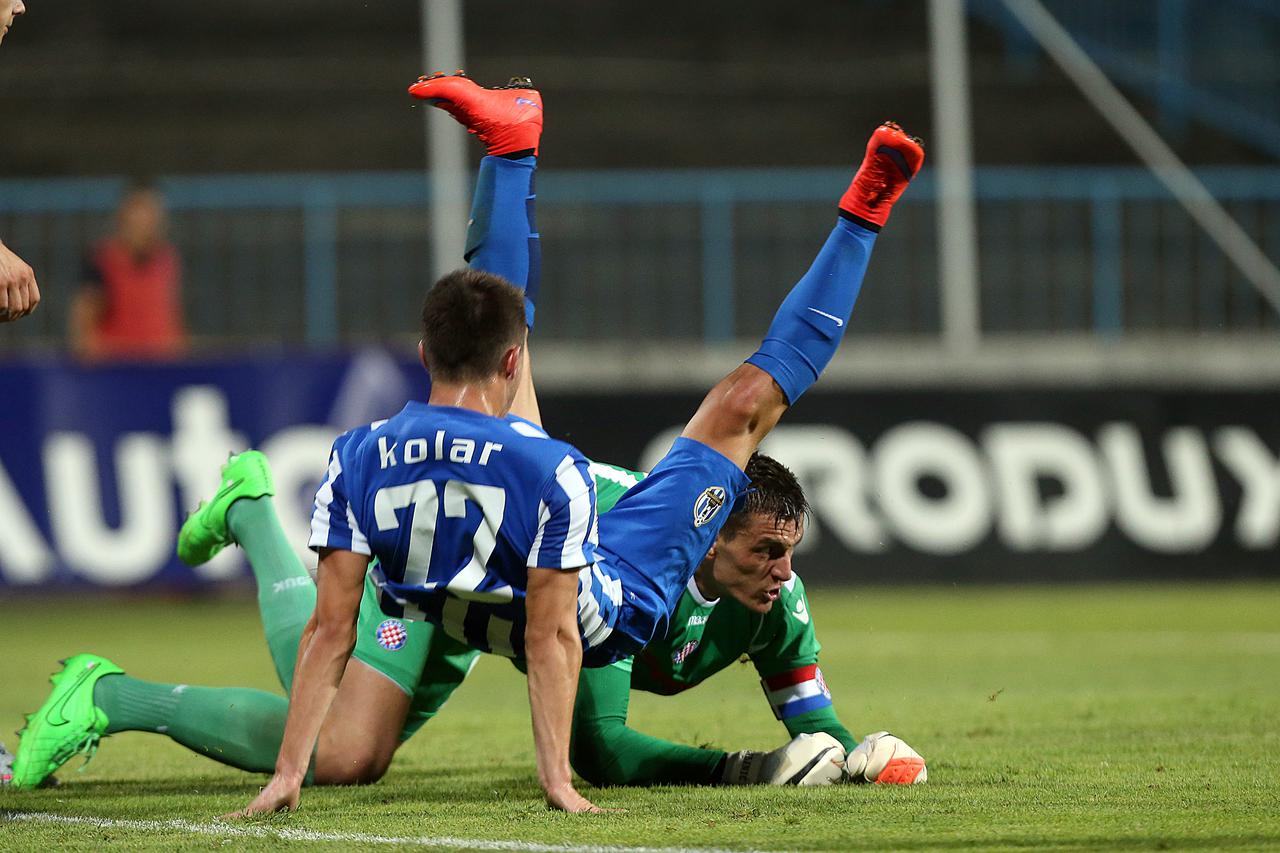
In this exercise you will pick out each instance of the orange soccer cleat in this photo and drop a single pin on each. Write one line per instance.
(893, 158)
(508, 119)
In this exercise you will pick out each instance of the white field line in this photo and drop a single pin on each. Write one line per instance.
(252, 830)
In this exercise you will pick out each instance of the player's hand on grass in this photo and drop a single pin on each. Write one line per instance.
(19, 293)
(280, 795)
(566, 798)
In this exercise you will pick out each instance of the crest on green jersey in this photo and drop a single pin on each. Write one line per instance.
(686, 650)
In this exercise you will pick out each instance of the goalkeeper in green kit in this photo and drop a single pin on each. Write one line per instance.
(743, 600)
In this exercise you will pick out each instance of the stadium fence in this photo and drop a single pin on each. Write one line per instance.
(688, 256)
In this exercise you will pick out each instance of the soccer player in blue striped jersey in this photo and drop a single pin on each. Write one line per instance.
(451, 537)
(460, 505)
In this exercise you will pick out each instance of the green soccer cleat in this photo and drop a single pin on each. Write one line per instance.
(205, 533)
(67, 724)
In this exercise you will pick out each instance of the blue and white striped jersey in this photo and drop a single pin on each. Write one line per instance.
(456, 504)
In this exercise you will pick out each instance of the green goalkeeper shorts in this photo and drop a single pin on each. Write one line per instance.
(417, 656)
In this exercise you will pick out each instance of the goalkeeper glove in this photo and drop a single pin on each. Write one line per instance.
(808, 759)
(885, 759)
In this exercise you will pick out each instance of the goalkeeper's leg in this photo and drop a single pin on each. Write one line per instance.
(242, 512)
(243, 727)
(238, 726)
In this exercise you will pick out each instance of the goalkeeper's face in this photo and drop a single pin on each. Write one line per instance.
(752, 562)
(9, 9)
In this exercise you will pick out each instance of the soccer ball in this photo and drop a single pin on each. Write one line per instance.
(884, 759)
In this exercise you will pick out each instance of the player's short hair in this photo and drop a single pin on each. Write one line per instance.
(470, 318)
(774, 493)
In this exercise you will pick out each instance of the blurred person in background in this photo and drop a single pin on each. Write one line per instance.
(130, 304)
(19, 294)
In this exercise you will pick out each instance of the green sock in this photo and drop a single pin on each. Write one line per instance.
(232, 725)
(286, 593)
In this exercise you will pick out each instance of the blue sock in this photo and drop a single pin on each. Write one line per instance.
(812, 319)
(502, 237)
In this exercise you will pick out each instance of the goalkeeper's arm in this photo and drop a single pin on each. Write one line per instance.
(821, 720)
(789, 673)
(605, 751)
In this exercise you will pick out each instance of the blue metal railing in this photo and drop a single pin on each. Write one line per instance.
(1214, 61)
(682, 254)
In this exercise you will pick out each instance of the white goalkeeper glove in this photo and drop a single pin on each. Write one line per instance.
(884, 759)
(808, 759)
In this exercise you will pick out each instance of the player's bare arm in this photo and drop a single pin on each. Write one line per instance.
(322, 657)
(19, 293)
(9, 9)
(553, 651)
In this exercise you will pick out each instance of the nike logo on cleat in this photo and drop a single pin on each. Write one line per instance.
(58, 709)
(228, 486)
(898, 160)
(832, 317)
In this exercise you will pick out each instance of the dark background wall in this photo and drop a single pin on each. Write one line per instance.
(177, 86)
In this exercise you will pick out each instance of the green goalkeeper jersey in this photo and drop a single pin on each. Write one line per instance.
(704, 637)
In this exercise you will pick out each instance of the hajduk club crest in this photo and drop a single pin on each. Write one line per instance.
(391, 635)
(707, 505)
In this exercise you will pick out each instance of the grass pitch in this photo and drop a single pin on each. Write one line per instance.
(1085, 718)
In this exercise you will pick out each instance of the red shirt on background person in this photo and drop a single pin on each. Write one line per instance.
(130, 305)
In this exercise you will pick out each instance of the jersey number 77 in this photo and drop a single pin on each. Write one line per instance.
(450, 523)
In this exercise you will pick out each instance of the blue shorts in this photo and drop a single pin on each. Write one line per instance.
(659, 531)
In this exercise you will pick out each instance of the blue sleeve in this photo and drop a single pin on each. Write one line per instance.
(567, 534)
(333, 523)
